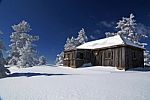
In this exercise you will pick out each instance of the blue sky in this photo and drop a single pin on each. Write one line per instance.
(55, 20)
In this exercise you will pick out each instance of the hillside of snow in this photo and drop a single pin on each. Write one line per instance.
(62, 83)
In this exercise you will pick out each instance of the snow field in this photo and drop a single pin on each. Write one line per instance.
(62, 83)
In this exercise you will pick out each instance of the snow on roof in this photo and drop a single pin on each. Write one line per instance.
(107, 42)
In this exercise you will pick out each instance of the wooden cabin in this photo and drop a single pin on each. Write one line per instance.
(115, 51)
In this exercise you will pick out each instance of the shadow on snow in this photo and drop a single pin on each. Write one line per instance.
(33, 74)
(141, 69)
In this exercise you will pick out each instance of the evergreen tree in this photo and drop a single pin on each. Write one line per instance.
(3, 70)
(42, 60)
(82, 38)
(23, 52)
(67, 45)
(127, 27)
(146, 58)
(71, 44)
(59, 59)
(109, 34)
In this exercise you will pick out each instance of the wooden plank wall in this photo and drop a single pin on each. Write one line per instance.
(69, 59)
(86, 57)
(134, 57)
(117, 57)
(121, 57)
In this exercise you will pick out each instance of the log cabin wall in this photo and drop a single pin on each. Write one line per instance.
(69, 58)
(109, 57)
(134, 57)
(83, 56)
(76, 58)
(122, 57)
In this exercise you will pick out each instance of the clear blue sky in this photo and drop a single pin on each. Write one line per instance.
(55, 20)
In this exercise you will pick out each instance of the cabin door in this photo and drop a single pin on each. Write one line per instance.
(98, 58)
(108, 61)
(118, 58)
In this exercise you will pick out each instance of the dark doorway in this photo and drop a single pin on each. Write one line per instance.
(108, 61)
(99, 58)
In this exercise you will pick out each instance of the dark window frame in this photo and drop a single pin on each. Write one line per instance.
(108, 54)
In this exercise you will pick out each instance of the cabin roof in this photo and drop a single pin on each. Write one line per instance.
(108, 42)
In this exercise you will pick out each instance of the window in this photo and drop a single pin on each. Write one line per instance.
(108, 54)
(80, 55)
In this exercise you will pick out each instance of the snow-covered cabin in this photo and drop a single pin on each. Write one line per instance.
(114, 51)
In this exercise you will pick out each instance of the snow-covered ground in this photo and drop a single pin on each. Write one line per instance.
(62, 83)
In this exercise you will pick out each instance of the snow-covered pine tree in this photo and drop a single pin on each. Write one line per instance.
(109, 34)
(142, 32)
(82, 38)
(3, 70)
(66, 46)
(23, 52)
(72, 44)
(27, 56)
(128, 28)
(146, 58)
(42, 60)
(59, 59)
